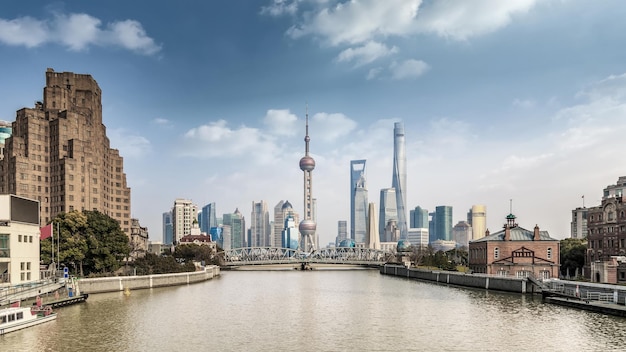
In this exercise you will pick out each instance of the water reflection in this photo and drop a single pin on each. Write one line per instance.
(319, 311)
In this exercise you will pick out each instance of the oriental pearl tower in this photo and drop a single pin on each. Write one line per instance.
(307, 226)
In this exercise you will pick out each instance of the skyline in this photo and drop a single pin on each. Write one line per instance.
(500, 100)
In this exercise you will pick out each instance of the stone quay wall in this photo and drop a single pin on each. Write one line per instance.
(508, 284)
(121, 283)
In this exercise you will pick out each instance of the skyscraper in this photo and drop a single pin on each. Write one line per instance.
(260, 227)
(184, 214)
(443, 223)
(342, 231)
(419, 218)
(208, 218)
(282, 210)
(387, 210)
(360, 210)
(399, 177)
(477, 219)
(373, 238)
(357, 170)
(234, 230)
(59, 153)
(307, 226)
(168, 228)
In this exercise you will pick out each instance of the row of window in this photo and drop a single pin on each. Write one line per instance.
(481, 253)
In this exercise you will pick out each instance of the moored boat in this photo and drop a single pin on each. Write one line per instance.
(16, 318)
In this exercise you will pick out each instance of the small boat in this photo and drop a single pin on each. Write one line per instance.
(16, 318)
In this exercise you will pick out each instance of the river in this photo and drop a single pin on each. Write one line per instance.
(330, 310)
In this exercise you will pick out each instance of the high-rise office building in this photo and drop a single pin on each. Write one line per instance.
(360, 210)
(342, 231)
(281, 211)
(168, 228)
(461, 234)
(419, 218)
(5, 132)
(237, 230)
(208, 219)
(59, 153)
(290, 235)
(184, 214)
(477, 219)
(260, 227)
(308, 226)
(387, 210)
(357, 170)
(399, 176)
(373, 238)
(418, 237)
(443, 223)
(579, 223)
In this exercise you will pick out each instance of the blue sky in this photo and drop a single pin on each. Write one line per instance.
(522, 100)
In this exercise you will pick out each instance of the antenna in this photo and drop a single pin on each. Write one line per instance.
(510, 206)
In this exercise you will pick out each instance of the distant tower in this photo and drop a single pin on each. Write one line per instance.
(260, 227)
(357, 169)
(208, 219)
(419, 218)
(360, 211)
(399, 177)
(477, 218)
(307, 226)
(387, 210)
(373, 240)
(184, 214)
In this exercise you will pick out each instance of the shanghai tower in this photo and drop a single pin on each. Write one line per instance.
(399, 177)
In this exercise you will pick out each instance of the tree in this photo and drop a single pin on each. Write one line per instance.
(89, 242)
(192, 252)
(572, 255)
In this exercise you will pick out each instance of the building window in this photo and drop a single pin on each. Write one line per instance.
(549, 253)
(496, 253)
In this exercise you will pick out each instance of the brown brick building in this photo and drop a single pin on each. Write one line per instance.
(60, 155)
(606, 237)
(515, 251)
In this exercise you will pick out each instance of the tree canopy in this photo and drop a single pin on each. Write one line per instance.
(572, 256)
(89, 242)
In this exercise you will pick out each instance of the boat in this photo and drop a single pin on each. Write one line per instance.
(16, 318)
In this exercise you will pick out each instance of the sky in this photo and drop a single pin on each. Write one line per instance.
(517, 103)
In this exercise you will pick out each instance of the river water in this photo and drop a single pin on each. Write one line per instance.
(331, 310)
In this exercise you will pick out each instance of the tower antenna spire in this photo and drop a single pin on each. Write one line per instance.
(511, 206)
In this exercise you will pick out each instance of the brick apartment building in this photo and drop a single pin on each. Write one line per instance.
(59, 153)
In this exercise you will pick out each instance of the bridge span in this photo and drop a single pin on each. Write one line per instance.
(271, 258)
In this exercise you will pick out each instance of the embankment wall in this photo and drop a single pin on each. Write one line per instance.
(507, 284)
(120, 283)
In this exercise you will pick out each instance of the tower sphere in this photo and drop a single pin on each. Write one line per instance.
(307, 227)
(307, 163)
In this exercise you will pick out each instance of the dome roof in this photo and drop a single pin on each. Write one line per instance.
(347, 243)
(404, 246)
(287, 205)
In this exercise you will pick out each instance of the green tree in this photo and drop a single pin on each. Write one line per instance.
(192, 252)
(572, 252)
(88, 242)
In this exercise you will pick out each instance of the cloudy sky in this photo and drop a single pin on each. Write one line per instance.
(520, 99)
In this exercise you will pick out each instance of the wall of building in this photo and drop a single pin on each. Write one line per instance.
(454, 278)
(120, 283)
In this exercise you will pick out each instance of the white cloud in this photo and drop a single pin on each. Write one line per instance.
(280, 7)
(460, 20)
(161, 121)
(280, 122)
(130, 145)
(367, 53)
(25, 31)
(356, 22)
(408, 69)
(77, 32)
(524, 103)
(217, 140)
(332, 126)
(373, 73)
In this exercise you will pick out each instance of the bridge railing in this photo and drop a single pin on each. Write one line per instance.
(269, 255)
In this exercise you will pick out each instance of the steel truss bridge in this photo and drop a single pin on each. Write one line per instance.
(263, 257)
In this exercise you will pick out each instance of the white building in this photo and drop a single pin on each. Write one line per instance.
(418, 237)
(184, 214)
(477, 219)
(579, 223)
(19, 240)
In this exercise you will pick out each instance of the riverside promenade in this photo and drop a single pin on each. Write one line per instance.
(121, 283)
